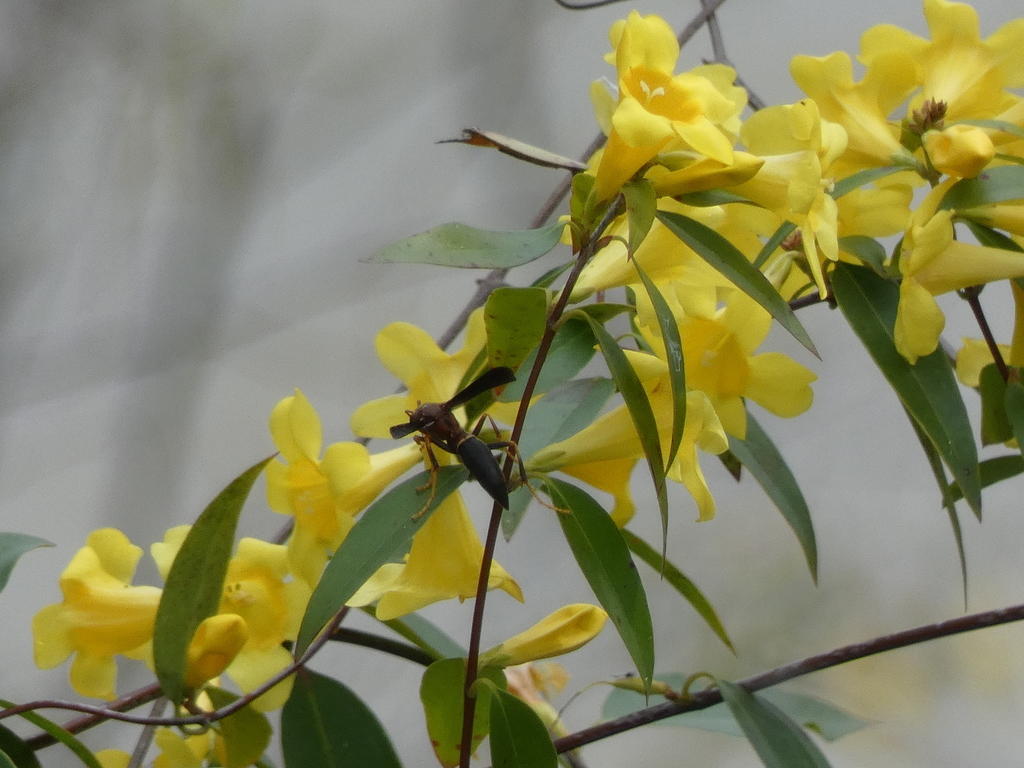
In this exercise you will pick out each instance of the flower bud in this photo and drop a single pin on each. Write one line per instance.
(215, 644)
(960, 150)
(563, 631)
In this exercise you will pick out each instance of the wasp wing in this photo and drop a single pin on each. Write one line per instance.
(495, 377)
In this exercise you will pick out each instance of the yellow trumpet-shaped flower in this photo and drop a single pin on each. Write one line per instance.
(563, 631)
(956, 67)
(933, 262)
(862, 108)
(323, 495)
(256, 589)
(444, 563)
(614, 437)
(101, 616)
(654, 107)
(799, 149)
(719, 347)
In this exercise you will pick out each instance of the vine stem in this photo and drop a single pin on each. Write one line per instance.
(972, 296)
(795, 669)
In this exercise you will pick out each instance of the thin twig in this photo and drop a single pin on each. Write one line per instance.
(832, 658)
(146, 736)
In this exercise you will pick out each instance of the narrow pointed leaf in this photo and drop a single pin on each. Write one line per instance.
(423, 634)
(928, 389)
(518, 737)
(640, 412)
(992, 238)
(324, 724)
(680, 582)
(785, 230)
(382, 534)
(778, 741)
(995, 424)
(515, 319)
(674, 357)
(760, 456)
(603, 556)
(441, 692)
(520, 150)
(195, 584)
(1015, 409)
(12, 547)
(246, 733)
(948, 503)
(6, 761)
(993, 471)
(865, 248)
(641, 205)
(994, 185)
(707, 198)
(460, 245)
(861, 178)
(724, 256)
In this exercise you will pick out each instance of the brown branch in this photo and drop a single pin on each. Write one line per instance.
(832, 658)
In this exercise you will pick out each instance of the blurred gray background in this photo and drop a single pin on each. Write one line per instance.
(187, 192)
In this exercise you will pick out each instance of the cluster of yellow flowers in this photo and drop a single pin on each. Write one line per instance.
(932, 112)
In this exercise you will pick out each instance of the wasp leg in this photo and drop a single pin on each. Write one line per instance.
(424, 442)
(512, 449)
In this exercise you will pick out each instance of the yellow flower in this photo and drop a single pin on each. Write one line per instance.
(960, 150)
(178, 751)
(956, 66)
(444, 563)
(101, 615)
(567, 629)
(863, 108)
(113, 758)
(323, 495)
(613, 436)
(656, 108)
(972, 357)
(933, 262)
(718, 353)
(536, 684)
(256, 590)
(217, 641)
(799, 149)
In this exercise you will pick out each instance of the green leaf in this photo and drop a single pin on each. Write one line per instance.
(603, 311)
(991, 238)
(459, 245)
(382, 534)
(324, 724)
(993, 471)
(441, 692)
(15, 751)
(825, 719)
(708, 198)
(6, 761)
(778, 741)
(59, 734)
(674, 357)
(641, 205)
(246, 733)
(639, 407)
(571, 349)
(12, 547)
(195, 584)
(423, 634)
(759, 455)
(928, 390)
(515, 319)
(939, 472)
(865, 248)
(518, 737)
(679, 581)
(862, 178)
(994, 185)
(723, 256)
(603, 556)
(995, 426)
(785, 230)
(1015, 409)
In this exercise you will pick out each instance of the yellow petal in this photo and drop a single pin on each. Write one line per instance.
(563, 631)
(919, 321)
